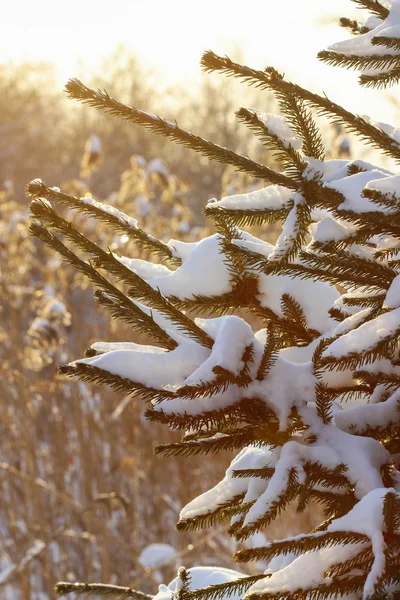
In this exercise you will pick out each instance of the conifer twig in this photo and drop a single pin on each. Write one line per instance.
(301, 544)
(99, 589)
(290, 158)
(355, 27)
(270, 79)
(353, 61)
(122, 223)
(139, 288)
(122, 305)
(374, 6)
(101, 100)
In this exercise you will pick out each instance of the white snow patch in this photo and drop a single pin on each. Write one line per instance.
(232, 335)
(156, 555)
(331, 230)
(366, 336)
(361, 45)
(392, 299)
(145, 269)
(152, 366)
(203, 272)
(201, 577)
(111, 210)
(273, 197)
(351, 188)
(386, 185)
(249, 458)
(304, 291)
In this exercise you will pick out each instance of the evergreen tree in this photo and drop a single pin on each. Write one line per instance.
(311, 400)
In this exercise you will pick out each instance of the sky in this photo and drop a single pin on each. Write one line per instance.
(171, 36)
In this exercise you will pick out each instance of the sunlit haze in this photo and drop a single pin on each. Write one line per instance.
(171, 37)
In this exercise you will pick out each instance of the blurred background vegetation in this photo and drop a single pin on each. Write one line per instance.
(44, 133)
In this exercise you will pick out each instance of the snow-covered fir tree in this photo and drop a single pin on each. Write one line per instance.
(311, 400)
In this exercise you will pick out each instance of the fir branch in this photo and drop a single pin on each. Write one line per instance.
(353, 168)
(183, 584)
(301, 544)
(277, 506)
(242, 296)
(318, 475)
(375, 301)
(335, 504)
(380, 80)
(226, 589)
(388, 42)
(263, 473)
(139, 288)
(242, 509)
(247, 216)
(335, 588)
(298, 116)
(354, 26)
(99, 589)
(206, 421)
(343, 263)
(120, 222)
(389, 581)
(269, 355)
(208, 389)
(384, 348)
(353, 61)
(390, 201)
(388, 254)
(391, 512)
(289, 243)
(210, 518)
(223, 380)
(363, 560)
(246, 410)
(306, 268)
(200, 434)
(125, 310)
(257, 435)
(324, 402)
(289, 333)
(202, 447)
(375, 7)
(378, 377)
(92, 374)
(370, 223)
(129, 312)
(270, 79)
(294, 313)
(144, 292)
(302, 123)
(289, 158)
(101, 100)
(337, 314)
(318, 195)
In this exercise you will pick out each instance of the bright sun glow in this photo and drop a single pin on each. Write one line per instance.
(171, 36)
